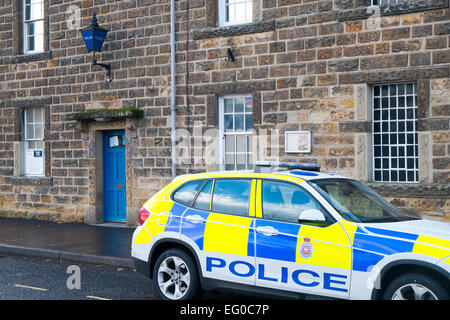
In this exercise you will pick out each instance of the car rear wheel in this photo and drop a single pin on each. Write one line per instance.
(415, 286)
(175, 276)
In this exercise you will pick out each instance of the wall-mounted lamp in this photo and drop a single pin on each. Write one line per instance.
(230, 53)
(94, 36)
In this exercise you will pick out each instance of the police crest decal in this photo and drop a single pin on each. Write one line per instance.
(306, 249)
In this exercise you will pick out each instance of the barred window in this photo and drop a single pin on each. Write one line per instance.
(395, 147)
(33, 26)
(235, 12)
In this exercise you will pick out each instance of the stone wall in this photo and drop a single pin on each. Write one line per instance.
(308, 64)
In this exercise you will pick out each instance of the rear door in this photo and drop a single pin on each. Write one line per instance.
(228, 245)
(302, 257)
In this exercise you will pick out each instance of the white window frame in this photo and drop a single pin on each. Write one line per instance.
(25, 24)
(384, 2)
(398, 145)
(222, 4)
(28, 151)
(223, 133)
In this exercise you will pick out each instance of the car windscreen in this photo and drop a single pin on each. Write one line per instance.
(356, 202)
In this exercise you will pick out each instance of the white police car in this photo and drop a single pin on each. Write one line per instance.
(288, 232)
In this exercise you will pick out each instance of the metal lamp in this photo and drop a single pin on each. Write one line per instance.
(94, 36)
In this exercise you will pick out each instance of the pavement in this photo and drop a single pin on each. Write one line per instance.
(106, 245)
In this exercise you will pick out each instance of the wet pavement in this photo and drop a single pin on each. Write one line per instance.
(76, 239)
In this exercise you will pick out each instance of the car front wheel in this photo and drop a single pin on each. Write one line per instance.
(175, 275)
(415, 286)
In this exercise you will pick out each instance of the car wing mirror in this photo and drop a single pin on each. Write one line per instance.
(312, 215)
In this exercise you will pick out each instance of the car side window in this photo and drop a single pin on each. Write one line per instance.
(284, 201)
(231, 196)
(185, 195)
(203, 200)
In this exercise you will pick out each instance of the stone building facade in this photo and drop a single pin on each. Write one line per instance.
(327, 67)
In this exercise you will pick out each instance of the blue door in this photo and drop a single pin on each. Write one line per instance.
(114, 178)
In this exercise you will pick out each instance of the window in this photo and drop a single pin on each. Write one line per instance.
(384, 2)
(395, 137)
(33, 26)
(231, 196)
(236, 123)
(356, 202)
(203, 200)
(284, 201)
(186, 193)
(233, 12)
(34, 141)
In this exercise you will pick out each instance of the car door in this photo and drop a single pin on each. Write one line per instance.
(311, 257)
(228, 239)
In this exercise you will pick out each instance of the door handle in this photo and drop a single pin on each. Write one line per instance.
(267, 231)
(195, 218)
(120, 186)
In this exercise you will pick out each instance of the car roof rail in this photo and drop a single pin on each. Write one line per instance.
(270, 165)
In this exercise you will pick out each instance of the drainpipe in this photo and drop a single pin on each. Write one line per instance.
(173, 91)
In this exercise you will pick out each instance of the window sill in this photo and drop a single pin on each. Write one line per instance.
(419, 190)
(393, 9)
(32, 181)
(234, 30)
(46, 55)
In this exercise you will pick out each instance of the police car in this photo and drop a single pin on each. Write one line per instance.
(293, 232)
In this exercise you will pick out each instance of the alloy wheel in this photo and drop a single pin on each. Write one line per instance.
(174, 278)
(414, 291)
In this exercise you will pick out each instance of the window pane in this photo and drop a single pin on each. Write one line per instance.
(229, 143)
(187, 192)
(29, 115)
(34, 10)
(229, 122)
(284, 202)
(241, 143)
(30, 131)
(238, 11)
(239, 124)
(239, 105)
(231, 196)
(240, 161)
(249, 144)
(229, 162)
(228, 105)
(249, 11)
(248, 122)
(248, 104)
(30, 43)
(35, 144)
(38, 131)
(204, 198)
(39, 115)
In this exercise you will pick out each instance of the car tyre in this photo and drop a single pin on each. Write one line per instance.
(175, 276)
(415, 286)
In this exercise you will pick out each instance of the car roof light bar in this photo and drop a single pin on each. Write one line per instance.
(287, 165)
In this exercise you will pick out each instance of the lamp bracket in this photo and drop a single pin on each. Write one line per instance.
(107, 66)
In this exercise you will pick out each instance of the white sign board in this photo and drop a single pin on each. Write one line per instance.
(298, 142)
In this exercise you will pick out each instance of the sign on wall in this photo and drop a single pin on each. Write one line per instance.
(298, 142)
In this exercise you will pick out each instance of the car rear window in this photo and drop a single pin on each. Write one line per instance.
(186, 193)
(231, 196)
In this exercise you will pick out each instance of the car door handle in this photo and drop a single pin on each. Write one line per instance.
(267, 231)
(195, 218)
